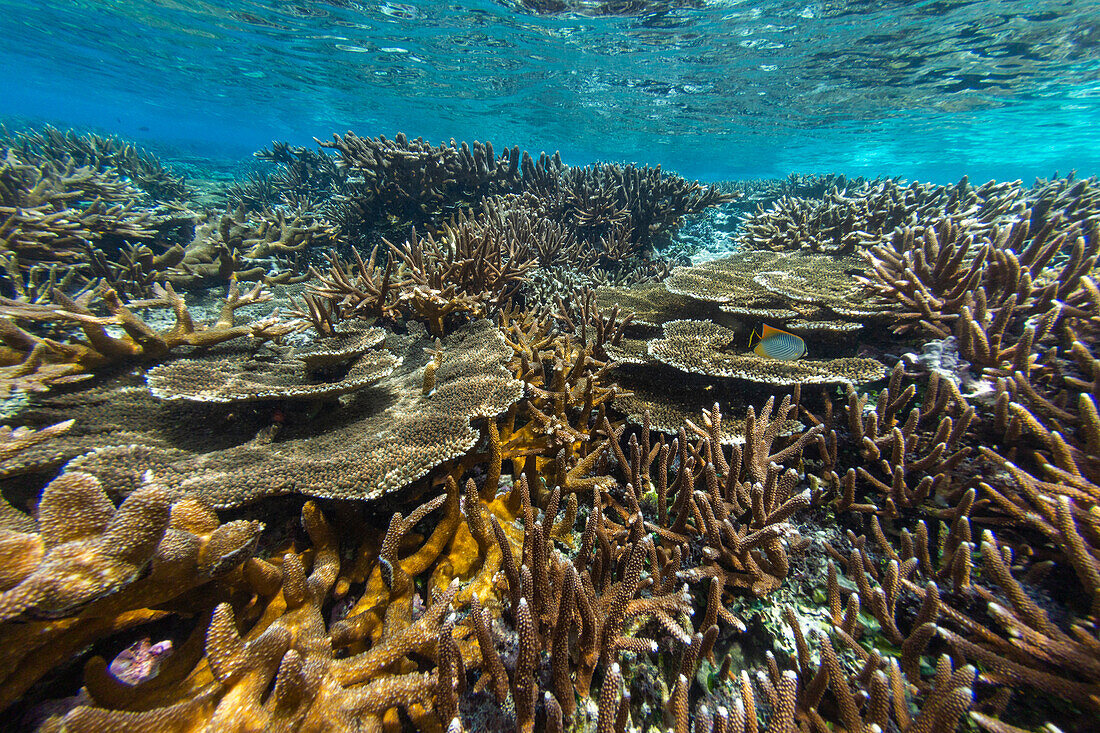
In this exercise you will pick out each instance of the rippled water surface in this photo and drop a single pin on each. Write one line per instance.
(928, 90)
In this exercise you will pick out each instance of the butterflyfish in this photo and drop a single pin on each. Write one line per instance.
(775, 343)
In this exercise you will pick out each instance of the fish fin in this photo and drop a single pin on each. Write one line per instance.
(762, 350)
(767, 331)
(754, 335)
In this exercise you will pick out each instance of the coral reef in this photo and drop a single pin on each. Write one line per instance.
(464, 490)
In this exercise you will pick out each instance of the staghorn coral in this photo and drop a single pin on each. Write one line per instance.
(100, 153)
(470, 271)
(904, 464)
(641, 204)
(35, 363)
(981, 612)
(943, 279)
(846, 220)
(302, 179)
(566, 384)
(551, 600)
(395, 184)
(50, 212)
(762, 192)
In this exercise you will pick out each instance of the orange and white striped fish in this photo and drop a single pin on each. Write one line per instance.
(775, 343)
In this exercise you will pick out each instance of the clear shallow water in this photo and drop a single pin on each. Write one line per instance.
(928, 90)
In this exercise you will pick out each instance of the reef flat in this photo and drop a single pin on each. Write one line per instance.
(389, 435)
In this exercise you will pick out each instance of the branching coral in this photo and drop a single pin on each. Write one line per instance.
(285, 649)
(243, 245)
(850, 219)
(36, 362)
(471, 270)
(49, 212)
(980, 612)
(101, 153)
(303, 179)
(97, 569)
(644, 204)
(395, 184)
(984, 290)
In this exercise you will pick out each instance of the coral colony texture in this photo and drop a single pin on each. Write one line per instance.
(394, 436)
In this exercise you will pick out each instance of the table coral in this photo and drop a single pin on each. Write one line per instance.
(335, 366)
(701, 347)
(381, 440)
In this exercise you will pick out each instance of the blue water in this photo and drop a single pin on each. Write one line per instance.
(713, 90)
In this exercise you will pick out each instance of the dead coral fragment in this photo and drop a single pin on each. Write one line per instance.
(701, 347)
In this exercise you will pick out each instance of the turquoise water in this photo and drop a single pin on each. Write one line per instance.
(713, 90)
